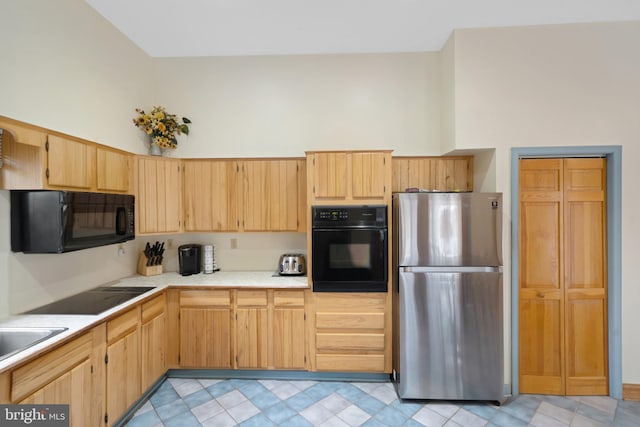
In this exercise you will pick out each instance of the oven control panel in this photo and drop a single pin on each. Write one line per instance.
(349, 216)
(333, 214)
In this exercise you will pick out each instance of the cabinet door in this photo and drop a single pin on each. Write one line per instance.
(205, 338)
(205, 329)
(270, 195)
(251, 338)
(288, 330)
(113, 170)
(329, 175)
(123, 363)
(154, 341)
(368, 175)
(72, 388)
(70, 163)
(211, 200)
(159, 195)
(251, 329)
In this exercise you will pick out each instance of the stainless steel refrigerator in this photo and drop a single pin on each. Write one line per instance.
(448, 311)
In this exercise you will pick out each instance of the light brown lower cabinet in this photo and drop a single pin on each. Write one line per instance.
(241, 329)
(269, 329)
(351, 332)
(123, 363)
(70, 374)
(252, 329)
(154, 340)
(289, 342)
(205, 329)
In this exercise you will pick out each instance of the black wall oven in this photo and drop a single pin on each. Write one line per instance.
(349, 249)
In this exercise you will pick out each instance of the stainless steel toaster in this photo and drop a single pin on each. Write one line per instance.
(292, 264)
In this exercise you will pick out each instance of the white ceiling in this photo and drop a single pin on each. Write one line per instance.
(173, 28)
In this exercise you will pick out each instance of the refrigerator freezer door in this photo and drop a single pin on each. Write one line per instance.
(448, 229)
(450, 336)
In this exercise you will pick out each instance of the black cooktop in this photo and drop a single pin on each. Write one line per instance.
(93, 301)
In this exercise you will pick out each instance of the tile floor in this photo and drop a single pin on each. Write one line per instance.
(184, 402)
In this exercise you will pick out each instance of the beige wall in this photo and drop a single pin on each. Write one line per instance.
(284, 105)
(568, 85)
(65, 68)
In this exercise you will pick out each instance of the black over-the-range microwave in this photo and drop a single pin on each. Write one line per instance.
(44, 221)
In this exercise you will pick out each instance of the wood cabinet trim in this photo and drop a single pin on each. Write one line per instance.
(246, 298)
(205, 298)
(41, 371)
(123, 324)
(154, 308)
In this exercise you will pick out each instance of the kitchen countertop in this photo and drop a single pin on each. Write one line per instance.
(80, 323)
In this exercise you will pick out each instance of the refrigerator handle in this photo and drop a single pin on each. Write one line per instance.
(487, 269)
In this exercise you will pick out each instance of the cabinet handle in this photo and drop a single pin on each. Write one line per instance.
(540, 294)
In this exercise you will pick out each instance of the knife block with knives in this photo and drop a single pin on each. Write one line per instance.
(150, 260)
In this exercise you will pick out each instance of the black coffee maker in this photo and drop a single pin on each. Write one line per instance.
(189, 258)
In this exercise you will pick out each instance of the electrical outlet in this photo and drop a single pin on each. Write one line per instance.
(234, 243)
(169, 243)
(121, 250)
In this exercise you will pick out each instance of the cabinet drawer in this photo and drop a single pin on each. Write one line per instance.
(40, 372)
(154, 308)
(252, 298)
(288, 298)
(122, 324)
(350, 302)
(349, 342)
(350, 320)
(205, 298)
(350, 362)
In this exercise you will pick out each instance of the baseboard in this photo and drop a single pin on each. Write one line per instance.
(631, 392)
(276, 375)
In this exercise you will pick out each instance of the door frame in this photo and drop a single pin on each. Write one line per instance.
(613, 154)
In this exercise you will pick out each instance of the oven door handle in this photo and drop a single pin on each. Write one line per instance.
(368, 228)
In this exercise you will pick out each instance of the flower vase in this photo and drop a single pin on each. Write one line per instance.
(154, 150)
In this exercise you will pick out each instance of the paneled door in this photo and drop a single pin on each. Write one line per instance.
(562, 276)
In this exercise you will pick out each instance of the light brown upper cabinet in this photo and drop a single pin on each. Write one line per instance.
(159, 195)
(244, 195)
(211, 199)
(433, 173)
(272, 194)
(69, 163)
(562, 277)
(112, 170)
(344, 176)
(35, 158)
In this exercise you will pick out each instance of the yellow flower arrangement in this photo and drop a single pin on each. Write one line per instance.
(161, 126)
